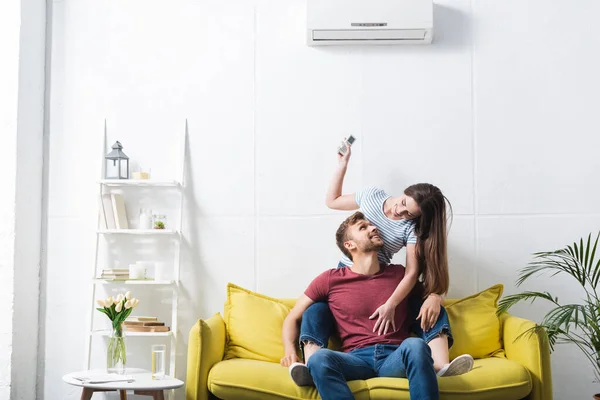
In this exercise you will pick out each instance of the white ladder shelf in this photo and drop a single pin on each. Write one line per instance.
(105, 186)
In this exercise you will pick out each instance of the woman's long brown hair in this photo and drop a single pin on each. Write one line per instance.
(430, 228)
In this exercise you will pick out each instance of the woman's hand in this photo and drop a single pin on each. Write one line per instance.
(385, 321)
(289, 360)
(344, 158)
(430, 311)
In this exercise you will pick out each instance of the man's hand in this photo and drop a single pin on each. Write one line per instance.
(289, 360)
(430, 311)
(385, 321)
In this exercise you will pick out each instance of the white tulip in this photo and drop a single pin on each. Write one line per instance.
(128, 304)
(119, 298)
(135, 302)
(109, 301)
(119, 307)
(100, 303)
(128, 295)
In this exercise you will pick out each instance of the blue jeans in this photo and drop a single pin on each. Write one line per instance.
(331, 369)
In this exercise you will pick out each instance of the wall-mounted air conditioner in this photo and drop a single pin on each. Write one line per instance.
(336, 22)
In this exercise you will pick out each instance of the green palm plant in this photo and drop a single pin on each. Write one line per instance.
(578, 324)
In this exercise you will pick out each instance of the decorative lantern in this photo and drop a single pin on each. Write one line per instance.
(117, 163)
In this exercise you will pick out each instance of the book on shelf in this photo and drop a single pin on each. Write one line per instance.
(115, 274)
(120, 214)
(141, 318)
(118, 274)
(135, 328)
(143, 323)
(107, 217)
(116, 271)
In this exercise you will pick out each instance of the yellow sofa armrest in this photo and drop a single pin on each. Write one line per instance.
(531, 351)
(206, 347)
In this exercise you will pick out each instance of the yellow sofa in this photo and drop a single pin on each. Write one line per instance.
(519, 369)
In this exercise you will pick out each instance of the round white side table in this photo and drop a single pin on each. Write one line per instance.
(143, 384)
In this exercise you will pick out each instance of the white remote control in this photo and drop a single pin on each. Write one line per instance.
(343, 147)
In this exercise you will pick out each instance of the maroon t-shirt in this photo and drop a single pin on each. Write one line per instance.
(353, 298)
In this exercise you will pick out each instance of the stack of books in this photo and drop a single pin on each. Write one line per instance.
(145, 324)
(115, 274)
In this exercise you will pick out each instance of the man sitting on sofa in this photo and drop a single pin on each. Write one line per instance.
(353, 293)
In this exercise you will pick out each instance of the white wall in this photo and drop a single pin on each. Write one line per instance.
(499, 112)
(28, 198)
(22, 45)
(9, 71)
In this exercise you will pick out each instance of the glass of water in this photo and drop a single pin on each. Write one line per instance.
(158, 361)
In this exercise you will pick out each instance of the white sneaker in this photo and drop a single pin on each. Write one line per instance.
(460, 365)
(300, 374)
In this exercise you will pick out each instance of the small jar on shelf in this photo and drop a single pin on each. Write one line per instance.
(141, 173)
(159, 221)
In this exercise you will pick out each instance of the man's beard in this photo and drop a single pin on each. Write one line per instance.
(369, 247)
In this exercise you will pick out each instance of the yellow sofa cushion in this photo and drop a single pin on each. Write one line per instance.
(260, 380)
(475, 327)
(491, 378)
(254, 323)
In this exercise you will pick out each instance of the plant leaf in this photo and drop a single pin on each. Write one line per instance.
(563, 317)
(508, 301)
(587, 254)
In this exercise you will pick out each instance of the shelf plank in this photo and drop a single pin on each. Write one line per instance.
(139, 182)
(131, 282)
(140, 232)
(129, 333)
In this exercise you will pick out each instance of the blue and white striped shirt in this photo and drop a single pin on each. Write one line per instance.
(395, 233)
